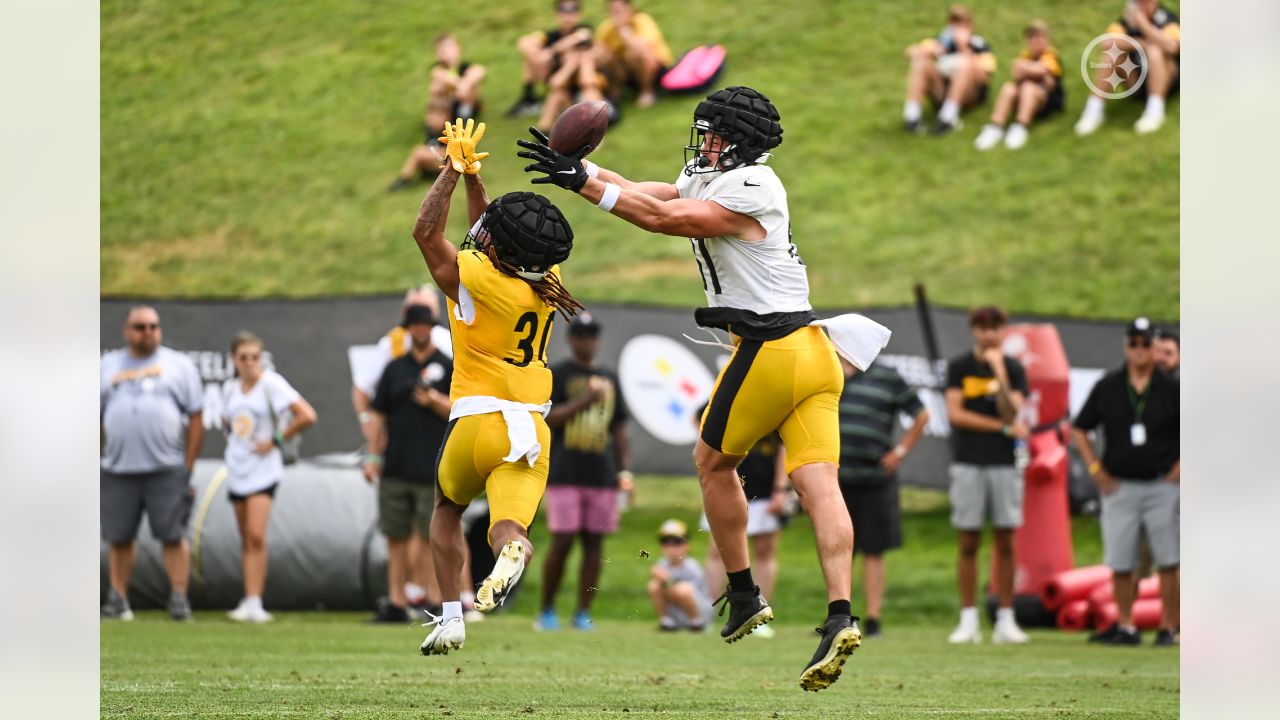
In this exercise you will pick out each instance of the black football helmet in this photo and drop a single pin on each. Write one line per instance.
(744, 118)
(526, 232)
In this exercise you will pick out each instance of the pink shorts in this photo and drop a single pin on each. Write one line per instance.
(572, 509)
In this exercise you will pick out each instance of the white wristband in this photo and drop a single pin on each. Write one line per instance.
(591, 168)
(610, 197)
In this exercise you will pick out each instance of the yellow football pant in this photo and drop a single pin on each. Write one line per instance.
(791, 385)
(471, 463)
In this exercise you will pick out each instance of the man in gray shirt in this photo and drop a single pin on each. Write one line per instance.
(151, 418)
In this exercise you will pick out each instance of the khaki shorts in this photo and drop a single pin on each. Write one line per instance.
(1135, 506)
(981, 490)
(404, 506)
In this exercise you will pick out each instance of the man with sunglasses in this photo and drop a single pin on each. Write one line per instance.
(151, 415)
(1138, 474)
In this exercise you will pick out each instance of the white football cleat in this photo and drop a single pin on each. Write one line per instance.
(989, 137)
(1016, 137)
(966, 633)
(448, 635)
(1007, 632)
(1148, 123)
(1088, 124)
(506, 573)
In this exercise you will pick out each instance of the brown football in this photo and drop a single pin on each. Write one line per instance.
(580, 129)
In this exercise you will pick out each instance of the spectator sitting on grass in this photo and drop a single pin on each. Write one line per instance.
(1035, 92)
(1155, 28)
(954, 70)
(454, 93)
(677, 586)
(632, 50)
(545, 52)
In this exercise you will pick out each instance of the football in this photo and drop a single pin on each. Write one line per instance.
(580, 129)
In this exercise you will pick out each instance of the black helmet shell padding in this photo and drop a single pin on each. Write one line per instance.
(742, 116)
(528, 232)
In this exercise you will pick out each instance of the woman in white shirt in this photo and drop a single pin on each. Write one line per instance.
(261, 410)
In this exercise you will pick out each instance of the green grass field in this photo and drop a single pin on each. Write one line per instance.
(331, 665)
(246, 147)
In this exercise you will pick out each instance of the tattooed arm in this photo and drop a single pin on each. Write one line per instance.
(441, 256)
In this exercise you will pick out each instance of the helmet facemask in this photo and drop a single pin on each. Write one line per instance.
(696, 161)
(743, 119)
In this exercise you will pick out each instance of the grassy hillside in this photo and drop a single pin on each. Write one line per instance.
(246, 147)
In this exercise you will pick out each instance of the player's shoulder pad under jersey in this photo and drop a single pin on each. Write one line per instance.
(476, 271)
(749, 190)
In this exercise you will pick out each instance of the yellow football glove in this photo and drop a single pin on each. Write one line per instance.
(460, 141)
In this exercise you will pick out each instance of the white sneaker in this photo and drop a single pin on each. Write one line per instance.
(966, 633)
(1148, 123)
(1016, 137)
(506, 573)
(989, 137)
(242, 613)
(260, 615)
(448, 635)
(1088, 124)
(1007, 632)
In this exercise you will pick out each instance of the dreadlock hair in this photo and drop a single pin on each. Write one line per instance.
(548, 288)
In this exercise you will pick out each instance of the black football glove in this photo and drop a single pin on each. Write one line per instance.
(563, 170)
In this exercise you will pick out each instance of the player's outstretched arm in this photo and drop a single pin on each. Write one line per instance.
(477, 197)
(668, 215)
(440, 254)
(659, 190)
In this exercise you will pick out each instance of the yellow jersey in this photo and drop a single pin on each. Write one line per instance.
(502, 351)
(646, 28)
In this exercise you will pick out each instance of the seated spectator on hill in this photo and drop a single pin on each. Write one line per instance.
(1155, 28)
(454, 93)
(544, 53)
(953, 69)
(1035, 92)
(632, 50)
(677, 585)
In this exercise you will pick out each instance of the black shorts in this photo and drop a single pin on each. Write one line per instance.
(877, 517)
(269, 491)
(1053, 104)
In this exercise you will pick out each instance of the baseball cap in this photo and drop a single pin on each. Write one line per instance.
(418, 315)
(584, 324)
(673, 529)
(1140, 327)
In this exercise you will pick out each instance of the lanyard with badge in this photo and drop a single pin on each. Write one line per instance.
(1138, 430)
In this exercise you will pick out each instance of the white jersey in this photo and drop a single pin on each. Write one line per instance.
(248, 421)
(765, 276)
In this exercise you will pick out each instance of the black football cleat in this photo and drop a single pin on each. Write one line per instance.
(747, 611)
(840, 637)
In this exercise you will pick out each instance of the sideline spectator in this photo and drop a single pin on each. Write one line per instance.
(590, 454)
(1157, 30)
(633, 51)
(394, 344)
(677, 585)
(1168, 352)
(954, 70)
(1034, 93)
(764, 480)
(984, 394)
(1138, 476)
(869, 460)
(544, 53)
(151, 414)
(410, 415)
(261, 411)
(454, 93)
